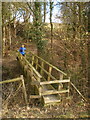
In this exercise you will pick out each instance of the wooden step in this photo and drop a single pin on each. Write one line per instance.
(46, 88)
(49, 99)
(50, 92)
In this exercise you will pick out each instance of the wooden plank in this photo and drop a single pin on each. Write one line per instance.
(47, 88)
(69, 88)
(61, 76)
(32, 60)
(40, 90)
(50, 70)
(54, 92)
(42, 66)
(55, 81)
(60, 85)
(52, 101)
(51, 98)
(39, 87)
(11, 80)
(24, 90)
(36, 63)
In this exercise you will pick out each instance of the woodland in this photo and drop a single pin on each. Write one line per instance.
(62, 39)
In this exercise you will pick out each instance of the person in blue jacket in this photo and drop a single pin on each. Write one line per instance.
(22, 50)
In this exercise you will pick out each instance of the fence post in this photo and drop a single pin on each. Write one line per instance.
(42, 65)
(68, 87)
(50, 70)
(60, 84)
(36, 63)
(24, 90)
(32, 60)
(39, 87)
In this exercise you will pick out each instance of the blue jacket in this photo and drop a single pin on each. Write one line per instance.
(22, 50)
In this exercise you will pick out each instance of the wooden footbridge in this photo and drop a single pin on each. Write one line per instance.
(51, 84)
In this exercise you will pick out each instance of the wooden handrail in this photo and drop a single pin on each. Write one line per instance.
(31, 66)
(11, 80)
(55, 81)
(49, 64)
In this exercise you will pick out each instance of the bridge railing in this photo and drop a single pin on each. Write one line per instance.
(35, 67)
(40, 71)
(30, 72)
(45, 68)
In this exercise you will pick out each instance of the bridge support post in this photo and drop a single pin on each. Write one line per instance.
(50, 70)
(36, 63)
(39, 87)
(42, 65)
(69, 88)
(60, 85)
(24, 90)
(32, 60)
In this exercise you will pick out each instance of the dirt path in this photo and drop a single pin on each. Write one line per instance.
(10, 67)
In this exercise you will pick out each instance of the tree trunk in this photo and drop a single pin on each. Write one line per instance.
(4, 40)
(74, 20)
(51, 8)
(9, 33)
(37, 23)
(88, 48)
(44, 11)
(80, 18)
(14, 22)
(0, 30)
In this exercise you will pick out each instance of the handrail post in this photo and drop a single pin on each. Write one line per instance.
(36, 63)
(39, 87)
(32, 60)
(60, 85)
(69, 88)
(42, 65)
(50, 70)
(31, 74)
